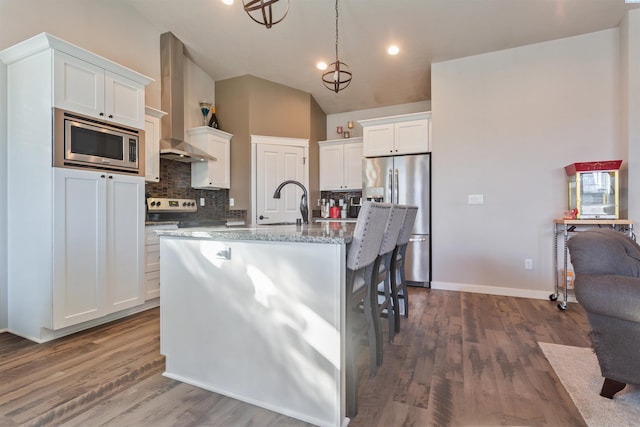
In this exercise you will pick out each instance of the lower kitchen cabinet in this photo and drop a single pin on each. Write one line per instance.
(98, 245)
(152, 259)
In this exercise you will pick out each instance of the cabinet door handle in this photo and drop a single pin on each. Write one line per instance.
(418, 239)
(224, 254)
(103, 176)
(397, 196)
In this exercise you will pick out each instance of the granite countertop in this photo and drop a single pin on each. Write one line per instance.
(328, 232)
(152, 223)
(348, 220)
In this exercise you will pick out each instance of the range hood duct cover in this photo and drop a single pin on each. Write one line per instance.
(172, 143)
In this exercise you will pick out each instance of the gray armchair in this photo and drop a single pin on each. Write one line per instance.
(607, 285)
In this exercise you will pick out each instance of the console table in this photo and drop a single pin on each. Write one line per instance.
(568, 226)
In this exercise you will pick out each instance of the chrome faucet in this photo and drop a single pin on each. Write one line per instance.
(304, 211)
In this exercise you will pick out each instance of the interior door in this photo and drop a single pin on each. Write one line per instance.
(274, 164)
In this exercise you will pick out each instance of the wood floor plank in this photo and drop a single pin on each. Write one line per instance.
(460, 359)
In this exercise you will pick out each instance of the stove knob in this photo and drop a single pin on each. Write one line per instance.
(184, 203)
(158, 203)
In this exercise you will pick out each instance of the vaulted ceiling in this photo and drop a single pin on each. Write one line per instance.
(226, 43)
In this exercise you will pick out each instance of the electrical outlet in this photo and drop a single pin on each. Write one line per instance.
(201, 201)
(528, 264)
(232, 201)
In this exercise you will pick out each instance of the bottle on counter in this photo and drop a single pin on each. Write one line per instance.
(213, 121)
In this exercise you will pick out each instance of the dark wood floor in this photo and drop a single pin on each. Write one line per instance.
(461, 359)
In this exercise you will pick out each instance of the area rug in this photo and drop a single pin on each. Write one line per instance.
(578, 371)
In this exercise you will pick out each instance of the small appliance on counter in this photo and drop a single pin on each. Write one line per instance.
(355, 203)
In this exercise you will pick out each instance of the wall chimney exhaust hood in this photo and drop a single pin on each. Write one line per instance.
(172, 143)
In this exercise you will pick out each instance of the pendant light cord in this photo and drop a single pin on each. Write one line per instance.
(336, 31)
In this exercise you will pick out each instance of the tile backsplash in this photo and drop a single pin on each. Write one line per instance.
(175, 181)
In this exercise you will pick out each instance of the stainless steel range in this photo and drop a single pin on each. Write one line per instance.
(183, 211)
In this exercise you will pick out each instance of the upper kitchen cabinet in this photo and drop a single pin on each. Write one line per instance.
(211, 174)
(82, 82)
(341, 164)
(152, 144)
(83, 87)
(404, 134)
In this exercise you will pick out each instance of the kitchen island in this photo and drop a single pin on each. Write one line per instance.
(257, 314)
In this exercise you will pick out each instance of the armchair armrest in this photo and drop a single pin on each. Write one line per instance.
(609, 295)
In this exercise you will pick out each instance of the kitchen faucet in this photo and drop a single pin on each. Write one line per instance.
(303, 200)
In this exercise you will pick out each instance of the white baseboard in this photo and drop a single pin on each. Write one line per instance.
(493, 290)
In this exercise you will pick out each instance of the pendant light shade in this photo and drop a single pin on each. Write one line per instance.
(337, 76)
(262, 11)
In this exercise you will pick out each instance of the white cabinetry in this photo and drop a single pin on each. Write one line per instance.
(152, 259)
(152, 144)
(97, 244)
(211, 174)
(83, 87)
(341, 164)
(405, 134)
(75, 240)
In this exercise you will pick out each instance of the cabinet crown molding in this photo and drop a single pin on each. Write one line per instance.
(353, 140)
(203, 130)
(395, 119)
(154, 112)
(44, 41)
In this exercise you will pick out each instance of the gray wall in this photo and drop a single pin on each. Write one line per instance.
(248, 106)
(3, 200)
(534, 110)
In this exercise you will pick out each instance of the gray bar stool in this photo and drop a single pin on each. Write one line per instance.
(361, 256)
(399, 288)
(381, 280)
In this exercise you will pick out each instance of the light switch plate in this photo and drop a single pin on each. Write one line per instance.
(201, 201)
(475, 199)
(232, 201)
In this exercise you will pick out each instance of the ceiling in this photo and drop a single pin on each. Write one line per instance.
(226, 43)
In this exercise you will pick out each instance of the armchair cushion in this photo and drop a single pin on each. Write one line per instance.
(604, 251)
(609, 295)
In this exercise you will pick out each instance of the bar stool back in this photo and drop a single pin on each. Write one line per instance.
(382, 280)
(361, 256)
(398, 280)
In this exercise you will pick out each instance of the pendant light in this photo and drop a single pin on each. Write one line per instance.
(337, 76)
(261, 11)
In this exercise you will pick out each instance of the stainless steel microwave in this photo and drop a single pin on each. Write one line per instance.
(84, 142)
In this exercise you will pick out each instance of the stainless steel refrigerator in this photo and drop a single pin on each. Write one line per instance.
(405, 180)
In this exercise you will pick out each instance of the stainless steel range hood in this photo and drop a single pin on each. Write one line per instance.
(172, 143)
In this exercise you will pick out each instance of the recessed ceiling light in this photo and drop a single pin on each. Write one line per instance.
(228, 2)
(321, 66)
(393, 50)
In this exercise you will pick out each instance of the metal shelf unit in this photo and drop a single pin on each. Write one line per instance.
(566, 227)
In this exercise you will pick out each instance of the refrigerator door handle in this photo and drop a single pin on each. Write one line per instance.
(390, 180)
(397, 196)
